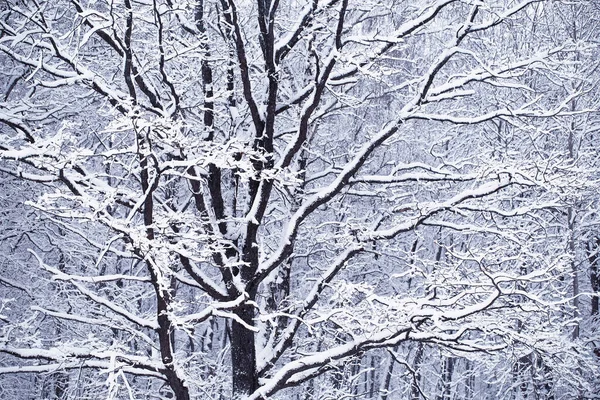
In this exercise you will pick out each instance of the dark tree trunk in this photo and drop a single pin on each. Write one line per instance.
(415, 391)
(385, 386)
(165, 337)
(243, 354)
(372, 380)
(594, 258)
(470, 384)
(446, 381)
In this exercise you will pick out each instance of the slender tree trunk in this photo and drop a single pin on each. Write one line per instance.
(415, 392)
(385, 384)
(446, 379)
(470, 384)
(372, 376)
(571, 227)
(593, 248)
(571, 215)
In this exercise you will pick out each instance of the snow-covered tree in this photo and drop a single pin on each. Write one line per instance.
(217, 199)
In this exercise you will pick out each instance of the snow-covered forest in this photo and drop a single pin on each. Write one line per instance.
(299, 199)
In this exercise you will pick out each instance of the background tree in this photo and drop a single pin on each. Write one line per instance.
(279, 194)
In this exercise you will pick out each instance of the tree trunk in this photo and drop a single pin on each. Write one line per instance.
(415, 392)
(574, 272)
(387, 379)
(594, 259)
(243, 354)
(165, 332)
(372, 380)
(446, 381)
(470, 384)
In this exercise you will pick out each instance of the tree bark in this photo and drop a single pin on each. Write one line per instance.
(594, 259)
(415, 392)
(243, 354)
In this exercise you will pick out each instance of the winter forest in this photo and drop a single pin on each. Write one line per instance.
(299, 199)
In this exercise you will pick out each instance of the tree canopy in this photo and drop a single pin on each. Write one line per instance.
(302, 199)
